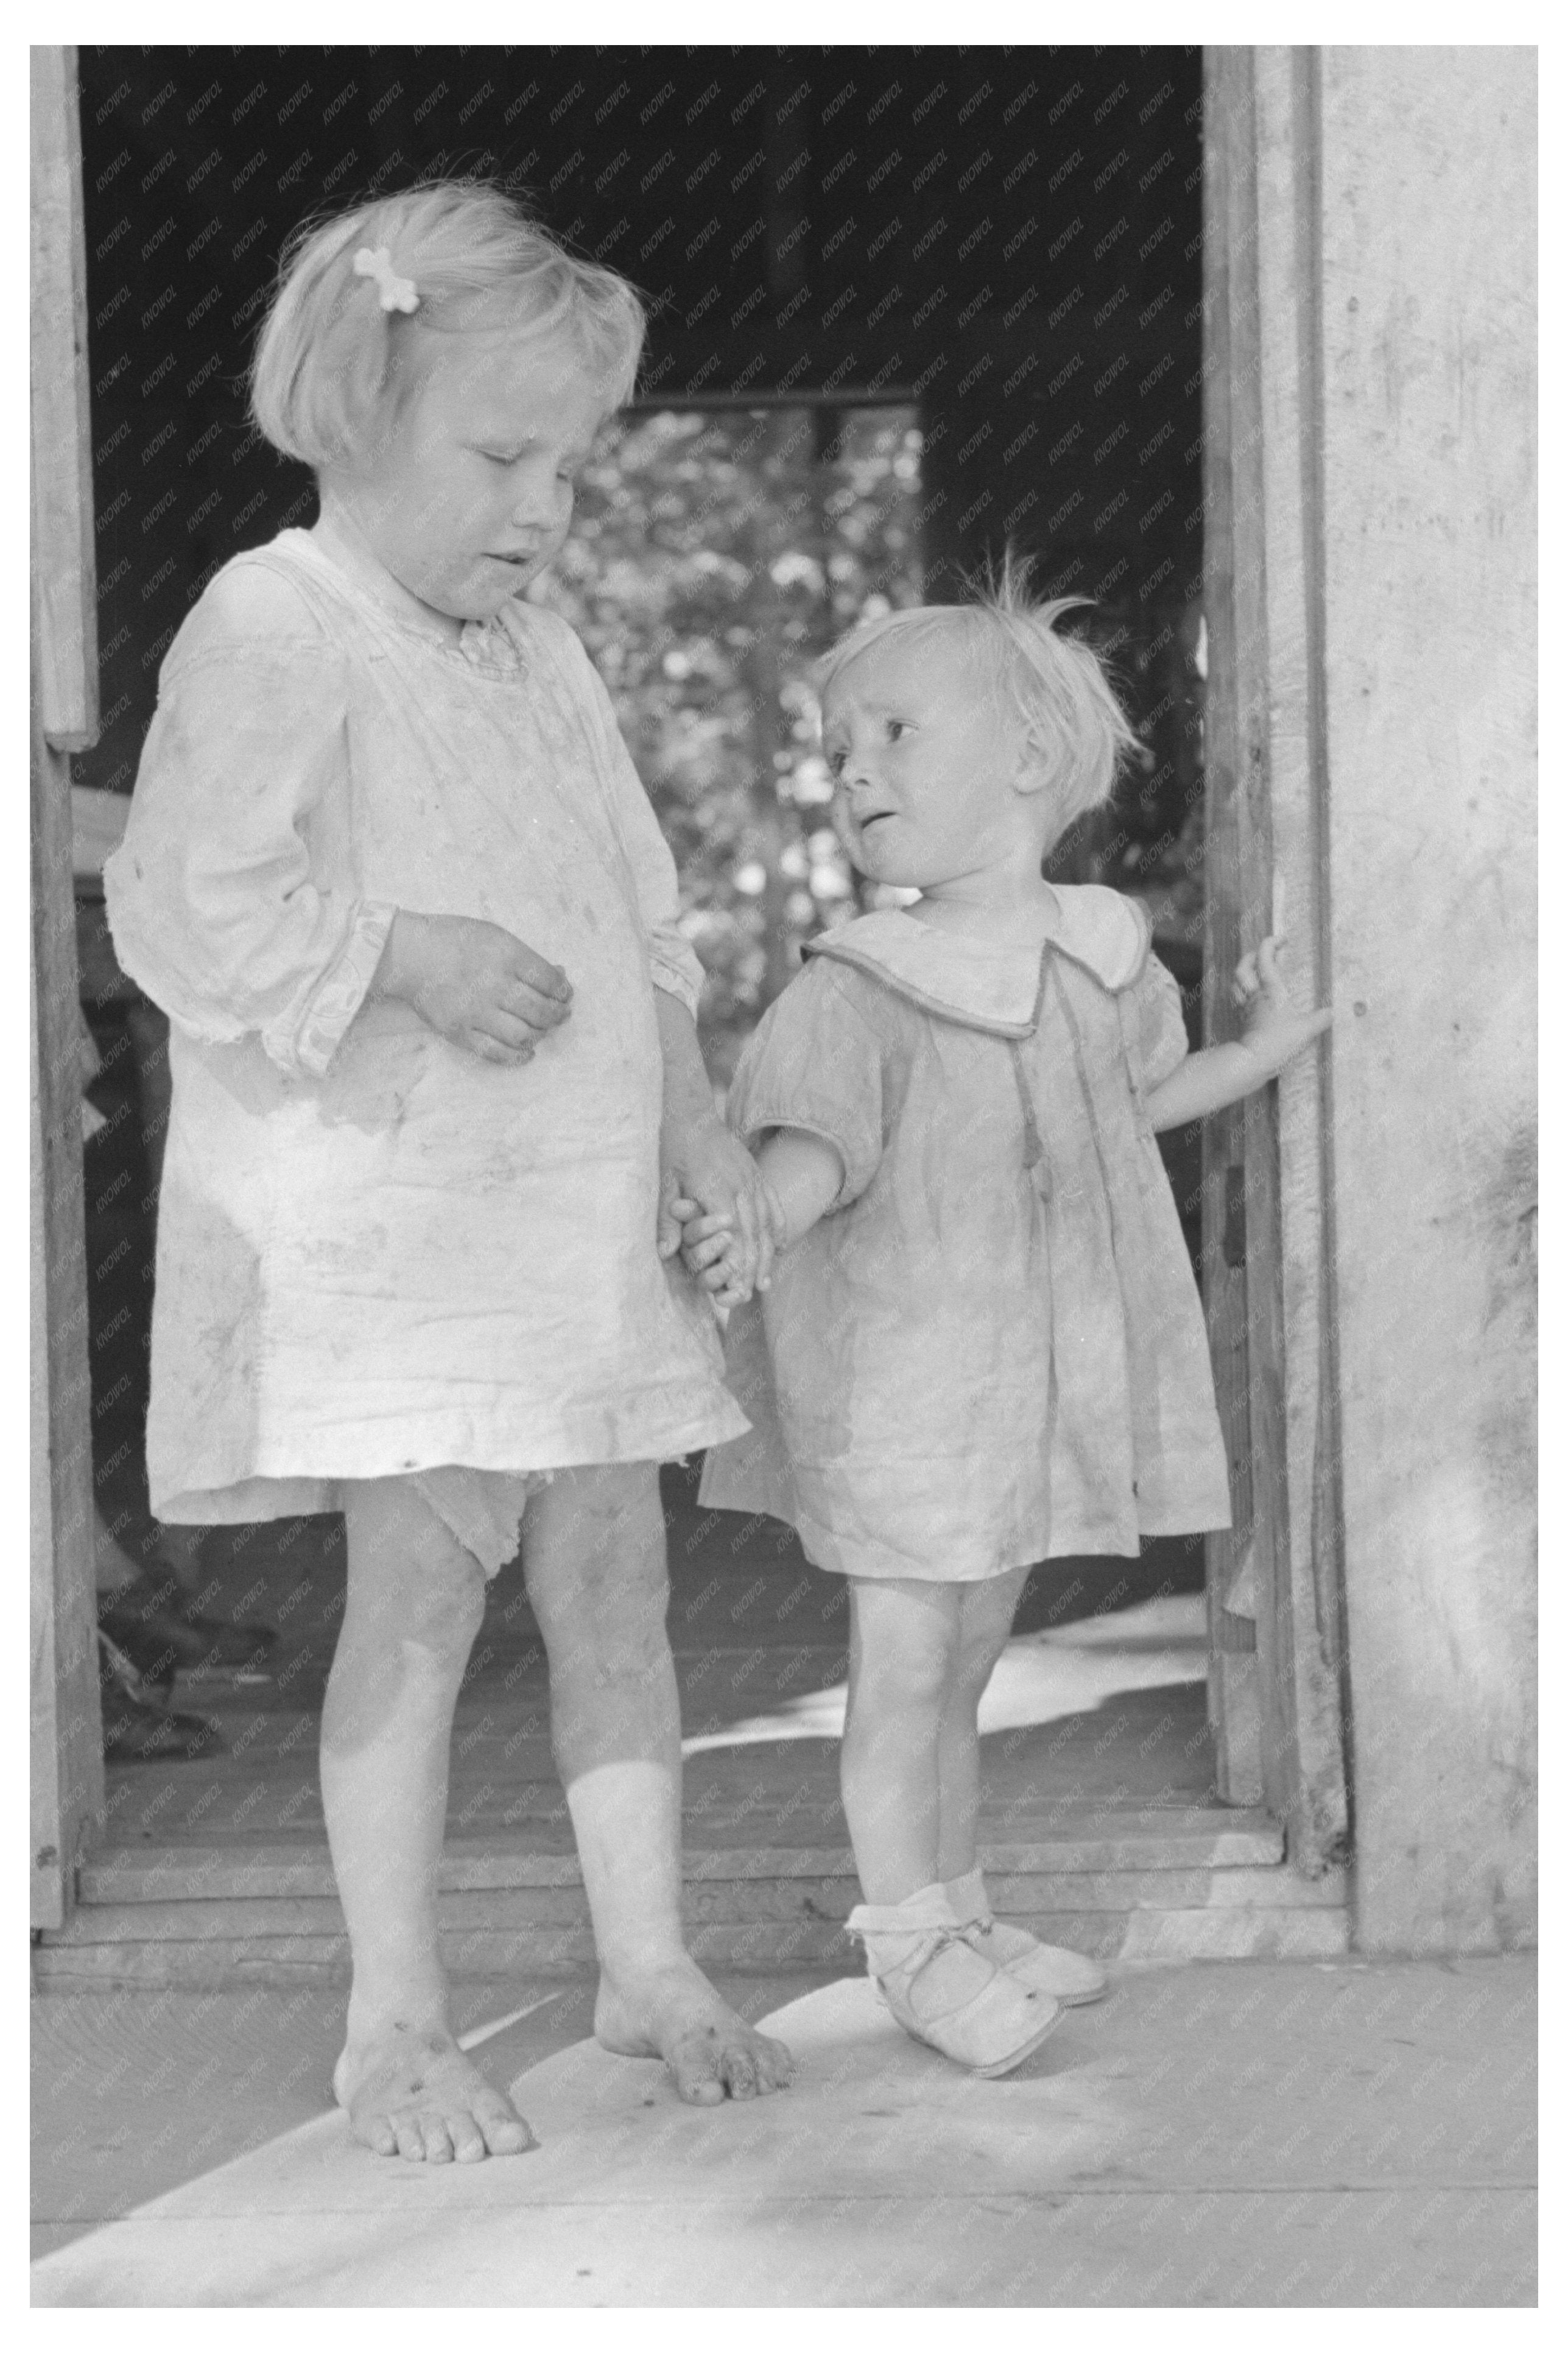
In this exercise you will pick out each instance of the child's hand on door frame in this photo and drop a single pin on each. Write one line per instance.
(1273, 1033)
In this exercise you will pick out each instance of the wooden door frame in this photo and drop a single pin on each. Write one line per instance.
(67, 1744)
(1278, 1675)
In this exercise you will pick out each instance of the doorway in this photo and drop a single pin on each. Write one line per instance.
(1099, 1712)
(758, 1633)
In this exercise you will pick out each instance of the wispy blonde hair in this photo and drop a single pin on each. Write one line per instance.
(331, 362)
(1057, 686)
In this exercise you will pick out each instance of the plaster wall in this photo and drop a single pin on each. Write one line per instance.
(1427, 229)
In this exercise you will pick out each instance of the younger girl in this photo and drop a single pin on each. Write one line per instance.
(984, 1346)
(392, 875)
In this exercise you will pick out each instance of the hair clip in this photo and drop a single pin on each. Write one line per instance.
(396, 293)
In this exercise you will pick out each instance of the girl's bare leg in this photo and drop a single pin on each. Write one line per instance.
(903, 1648)
(416, 1599)
(593, 1555)
(985, 1616)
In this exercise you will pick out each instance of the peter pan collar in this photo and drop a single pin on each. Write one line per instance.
(985, 986)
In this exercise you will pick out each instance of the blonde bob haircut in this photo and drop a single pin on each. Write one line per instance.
(331, 365)
(1076, 729)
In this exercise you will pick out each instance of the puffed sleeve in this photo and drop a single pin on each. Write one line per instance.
(223, 898)
(815, 1061)
(673, 963)
(1153, 1024)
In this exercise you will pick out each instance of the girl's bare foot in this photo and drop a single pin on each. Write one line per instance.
(410, 2092)
(673, 2013)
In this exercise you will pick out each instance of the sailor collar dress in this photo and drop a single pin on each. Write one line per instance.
(991, 1351)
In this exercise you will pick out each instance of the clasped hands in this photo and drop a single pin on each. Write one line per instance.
(717, 1210)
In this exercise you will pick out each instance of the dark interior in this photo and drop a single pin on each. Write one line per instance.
(1006, 239)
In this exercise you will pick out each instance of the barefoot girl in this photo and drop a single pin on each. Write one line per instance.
(985, 1344)
(392, 874)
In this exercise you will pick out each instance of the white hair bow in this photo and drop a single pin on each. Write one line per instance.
(396, 293)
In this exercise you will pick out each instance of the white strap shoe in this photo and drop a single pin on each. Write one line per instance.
(1068, 1976)
(945, 1991)
(1052, 1970)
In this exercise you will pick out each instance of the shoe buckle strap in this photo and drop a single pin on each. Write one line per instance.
(935, 1942)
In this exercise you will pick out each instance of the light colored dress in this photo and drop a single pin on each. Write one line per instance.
(378, 1254)
(990, 1352)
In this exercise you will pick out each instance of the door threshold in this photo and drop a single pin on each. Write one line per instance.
(1135, 1886)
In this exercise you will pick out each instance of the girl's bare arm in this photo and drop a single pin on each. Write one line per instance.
(806, 1175)
(1274, 1033)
